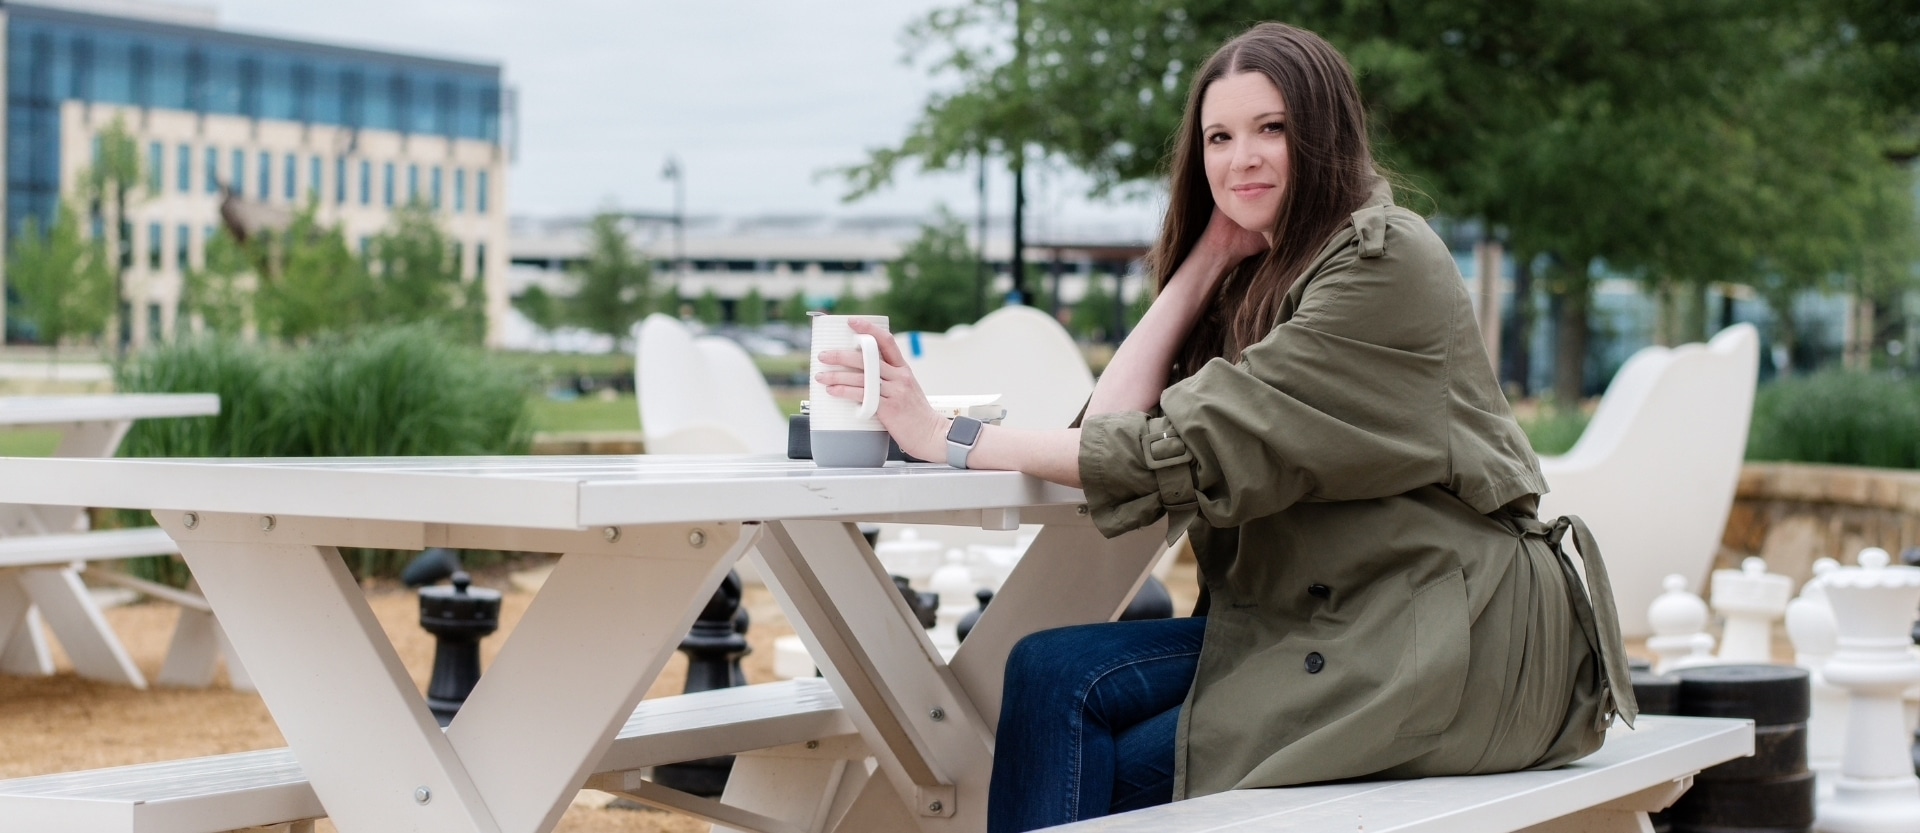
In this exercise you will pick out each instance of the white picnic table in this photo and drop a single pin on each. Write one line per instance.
(45, 546)
(645, 540)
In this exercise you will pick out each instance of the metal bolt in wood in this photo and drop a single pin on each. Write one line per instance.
(266, 523)
(936, 807)
(611, 533)
(191, 519)
(697, 538)
(938, 714)
(422, 795)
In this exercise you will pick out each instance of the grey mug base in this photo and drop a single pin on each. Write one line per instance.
(849, 449)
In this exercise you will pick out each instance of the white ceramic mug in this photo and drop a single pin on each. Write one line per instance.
(844, 433)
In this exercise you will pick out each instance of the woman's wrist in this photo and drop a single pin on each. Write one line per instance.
(932, 445)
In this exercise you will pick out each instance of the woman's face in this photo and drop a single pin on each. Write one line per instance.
(1243, 137)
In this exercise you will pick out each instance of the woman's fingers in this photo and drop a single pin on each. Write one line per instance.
(889, 349)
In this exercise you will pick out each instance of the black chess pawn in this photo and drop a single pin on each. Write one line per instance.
(458, 617)
(713, 647)
(966, 623)
(923, 605)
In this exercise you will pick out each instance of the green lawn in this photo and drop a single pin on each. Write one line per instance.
(28, 443)
(588, 413)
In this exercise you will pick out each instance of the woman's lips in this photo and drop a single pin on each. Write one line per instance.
(1254, 191)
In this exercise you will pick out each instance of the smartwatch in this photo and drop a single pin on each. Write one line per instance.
(960, 439)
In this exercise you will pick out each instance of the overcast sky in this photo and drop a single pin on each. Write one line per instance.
(754, 98)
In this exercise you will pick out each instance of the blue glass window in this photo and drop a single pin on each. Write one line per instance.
(292, 177)
(112, 69)
(183, 178)
(156, 156)
(366, 182)
(480, 257)
(313, 180)
(250, 86)
(436, 187)
(238, 176)
(266, 177)
(213, 170)
(480, 192)
(376, 107)
(167, 76)
(459, 190)
(154, 248)
(413, 183)
(340, 180)
(276, 90)
(182, 236)
(389, 184)
(221, 93)
(325, 107)
(80, 82)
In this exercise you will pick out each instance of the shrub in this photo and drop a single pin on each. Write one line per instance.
(403, 391)
(1845, 418)
(1552, 429)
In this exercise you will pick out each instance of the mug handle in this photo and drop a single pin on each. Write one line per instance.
(870, 388)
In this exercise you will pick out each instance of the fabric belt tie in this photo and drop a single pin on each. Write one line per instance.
(1599, 620)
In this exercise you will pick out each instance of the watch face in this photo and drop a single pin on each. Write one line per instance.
(964, 431)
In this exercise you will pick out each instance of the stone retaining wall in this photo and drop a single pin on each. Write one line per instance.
(1793, 513)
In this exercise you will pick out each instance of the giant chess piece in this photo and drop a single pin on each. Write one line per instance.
(1750, 598)
(713, 647)
(1873, 604)
(458, 617)
(1679, 621)
(1815, 636)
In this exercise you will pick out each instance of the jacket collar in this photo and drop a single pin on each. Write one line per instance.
(1380, 195)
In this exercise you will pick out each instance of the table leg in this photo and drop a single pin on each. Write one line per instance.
(599, 632)
(915, 718)
(91, 645)
(1070, 575)
(23, 645)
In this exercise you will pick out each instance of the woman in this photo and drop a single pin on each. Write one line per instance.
(1309, 401)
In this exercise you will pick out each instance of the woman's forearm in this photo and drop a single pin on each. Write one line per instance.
(1052, 455)
(1138, 373)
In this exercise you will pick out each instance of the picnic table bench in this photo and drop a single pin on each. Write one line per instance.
(44, 549)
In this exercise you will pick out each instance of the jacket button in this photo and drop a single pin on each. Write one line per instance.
(1319, 591)
(1315, 662)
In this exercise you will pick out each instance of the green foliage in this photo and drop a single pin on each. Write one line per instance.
(540, 307)
(1846, 418)
(220, 293)
(794, 309)
(1093, 315)
(1552, 429)
(752, 311)
(416, 279)
(116, 171)
(612, 288)
(1138, 309)
(707, 308)
(390, 392)
(315, 284)
(931, 286)
(848, 303)
(65, 282)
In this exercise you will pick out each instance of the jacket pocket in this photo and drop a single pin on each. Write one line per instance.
(1438, 654)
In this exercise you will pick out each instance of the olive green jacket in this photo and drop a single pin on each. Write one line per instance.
(1383, 602)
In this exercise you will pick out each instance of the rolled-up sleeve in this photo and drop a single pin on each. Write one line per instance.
(1346, 400)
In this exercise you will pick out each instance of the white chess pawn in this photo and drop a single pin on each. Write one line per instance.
(954, 584)
(1750, 598)
(1815, 636)
(1679, 621)
(1876, 790)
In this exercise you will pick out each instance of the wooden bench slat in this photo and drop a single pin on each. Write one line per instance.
(1660, 750)
(68, 547)
(256, 789)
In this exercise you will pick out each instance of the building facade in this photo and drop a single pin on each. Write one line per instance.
(356, 133)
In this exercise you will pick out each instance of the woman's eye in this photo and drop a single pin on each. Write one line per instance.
(1274, 127)
(1216, 138)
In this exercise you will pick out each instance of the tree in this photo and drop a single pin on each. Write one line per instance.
(612, 288)
(707, 308)
(847, 302)
(221, 293)
(794, 309)
(314, 284)
(930, 287)
(107, 184)
(65, 282)
(1623, 135)
(752, 311)
(415, 278)
(1093, 315)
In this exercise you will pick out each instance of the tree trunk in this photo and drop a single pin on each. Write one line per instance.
(1571, 330)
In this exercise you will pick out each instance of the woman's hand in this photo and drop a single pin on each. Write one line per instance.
(1225, 243)
(904, 411)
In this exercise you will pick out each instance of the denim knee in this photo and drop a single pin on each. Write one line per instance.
(1045, 655)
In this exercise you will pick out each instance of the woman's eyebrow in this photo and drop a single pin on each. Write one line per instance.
(1219, 126)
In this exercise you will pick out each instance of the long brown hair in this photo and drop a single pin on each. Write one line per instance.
(1330, 172)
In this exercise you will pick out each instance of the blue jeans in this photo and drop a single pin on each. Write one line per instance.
(1087, 721)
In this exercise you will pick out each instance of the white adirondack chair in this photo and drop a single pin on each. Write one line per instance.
(1018, 352)
(702, 394)
(1655, 471)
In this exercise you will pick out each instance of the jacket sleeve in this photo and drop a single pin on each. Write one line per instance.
(1345, 400)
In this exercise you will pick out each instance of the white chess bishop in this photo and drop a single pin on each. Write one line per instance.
(1679, 621)
(1876, 790)
(1750, 599)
